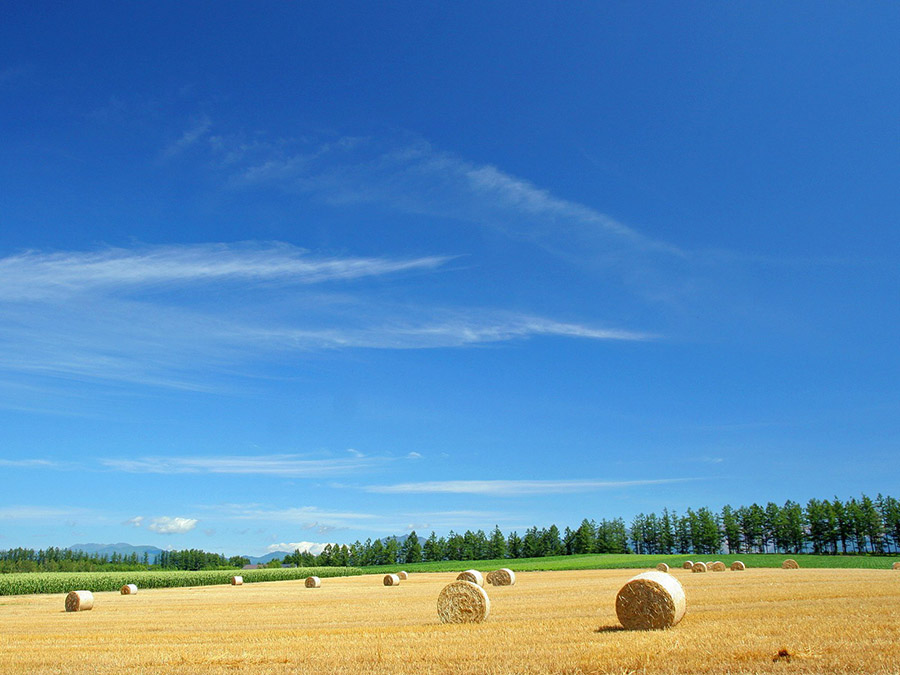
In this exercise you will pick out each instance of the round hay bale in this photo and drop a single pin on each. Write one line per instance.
(128, 589)
(662, 567)
(698, 567)
(738, 566)
(403, 576)
(718, 566)
(502, 577)
(463, 602)
(237, 581)
(687, 565)
(79, 601)
(650, 601)
(895, 566)
(471, 575)
(313, 582)
(790, 564)
(391, 580)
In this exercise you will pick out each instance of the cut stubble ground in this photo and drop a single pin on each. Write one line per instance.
(838, 620)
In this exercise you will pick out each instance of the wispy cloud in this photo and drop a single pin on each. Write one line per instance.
(39, 513)
(302, 546)
(198, 129)
(294, 466)
(514, 488)
(32, 464)
(172, 525)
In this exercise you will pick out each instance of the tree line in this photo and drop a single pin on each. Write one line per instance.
(66, 560)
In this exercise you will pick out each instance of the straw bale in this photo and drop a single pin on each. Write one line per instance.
(502, 577)
(463, 602)
(895, 566)
(79, 601)
(128, 589)
(237, 581)
(662, 567)
(698, 567)
(738, 566)
(650, 601)
(313, 582)
(687, 565)
(403, 575)
(391, 580)
(790, 564)
(471, 575)
(718, 566)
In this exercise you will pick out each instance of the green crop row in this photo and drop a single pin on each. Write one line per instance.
(63, 582)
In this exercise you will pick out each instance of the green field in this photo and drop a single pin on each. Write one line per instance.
(631, 561)
(28, 583)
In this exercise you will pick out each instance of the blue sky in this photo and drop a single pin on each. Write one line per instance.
(276, 273)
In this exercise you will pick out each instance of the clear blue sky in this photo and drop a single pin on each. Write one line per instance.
(274, 273)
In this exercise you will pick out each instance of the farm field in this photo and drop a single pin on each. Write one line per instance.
(825, 620)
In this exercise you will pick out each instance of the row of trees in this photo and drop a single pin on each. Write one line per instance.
(66, 560)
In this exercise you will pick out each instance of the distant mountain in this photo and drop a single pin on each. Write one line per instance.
(268, 557)
(120, 548)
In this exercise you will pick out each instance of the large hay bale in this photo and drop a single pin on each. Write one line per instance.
(471, 575)
(687, 565)
(698, 567)
(128, 589)
(718, 566)
(79, 601)
(895, 566)
(790, 564)
(738, 566)
(403, 575)
(463, 602)
(391, 580)
(502, 577)
(313, 582)
(237, 581)
(650, 601)
(662, 567)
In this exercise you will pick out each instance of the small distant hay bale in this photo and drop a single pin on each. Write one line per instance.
(687, 565)
(895, 566)
(698, 567)
(403, 575)
(237, 581)
(790, 564)
(471, 575)
(502, 577)
(313, 582)
(650, 601)
(79, 601)
(718, 566)
(391, 580)
(662, 567)
(738, 566)
(128, 589)
(463, 602)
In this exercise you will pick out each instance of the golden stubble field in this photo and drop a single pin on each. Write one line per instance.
(828, 621)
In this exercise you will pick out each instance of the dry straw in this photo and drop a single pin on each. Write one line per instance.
(463, 602)
(502, 577)
(650, 601)
(662, 567)
(687, 565)
(895, 566)
(738, 566)
(698, 567)
(718, 566)
(471, 575)
(237, 581)
(391, 580)
(403, 576)
(128, 589)
(313, 582)
(790, 564)
(79, 601)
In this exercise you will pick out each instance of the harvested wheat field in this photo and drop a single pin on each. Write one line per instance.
(843, 621)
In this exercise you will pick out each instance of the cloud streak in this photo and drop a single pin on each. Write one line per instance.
(287, 466)
(514, 488)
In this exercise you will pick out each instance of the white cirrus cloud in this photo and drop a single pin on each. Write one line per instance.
(293, 466)
(39, 513)
(134, 522)
(172, 525)
(513, 488)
